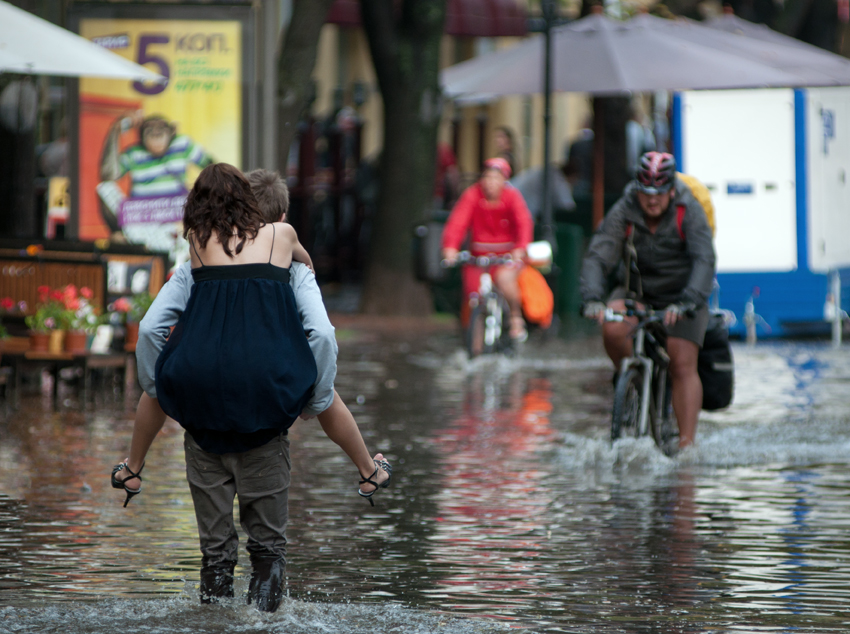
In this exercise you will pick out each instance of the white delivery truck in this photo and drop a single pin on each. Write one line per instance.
(776, 162)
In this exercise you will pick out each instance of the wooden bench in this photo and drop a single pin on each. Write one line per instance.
(17, 354)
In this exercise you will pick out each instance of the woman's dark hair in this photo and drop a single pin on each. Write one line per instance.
(220, 201)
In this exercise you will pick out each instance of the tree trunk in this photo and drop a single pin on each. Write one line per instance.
(405, 47)
(295, 68)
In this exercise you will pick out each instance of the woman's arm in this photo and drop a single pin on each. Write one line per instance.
(290, 238)
(299, 254)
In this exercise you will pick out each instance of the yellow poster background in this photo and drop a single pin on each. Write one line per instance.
(203, 95)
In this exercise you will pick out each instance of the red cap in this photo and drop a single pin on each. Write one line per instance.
(498, 164)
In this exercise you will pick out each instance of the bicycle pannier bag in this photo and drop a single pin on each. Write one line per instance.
(716, 367)
(538, 302)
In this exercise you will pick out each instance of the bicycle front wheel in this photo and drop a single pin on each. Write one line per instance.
(628, 398)
(666, 429)
(479, 338)
(488, 327)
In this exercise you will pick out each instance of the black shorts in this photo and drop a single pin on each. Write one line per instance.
(689, 328)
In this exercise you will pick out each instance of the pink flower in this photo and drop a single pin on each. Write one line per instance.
(7, 303)
(50, 322)
(86, 292)
(122, 305)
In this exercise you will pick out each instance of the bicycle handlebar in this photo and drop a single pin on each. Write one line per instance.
(465, 257)
(646, 314)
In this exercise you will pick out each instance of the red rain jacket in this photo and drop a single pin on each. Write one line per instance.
(497, 227)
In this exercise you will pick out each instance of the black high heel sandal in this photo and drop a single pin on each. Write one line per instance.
(119, 484)
(383, 464)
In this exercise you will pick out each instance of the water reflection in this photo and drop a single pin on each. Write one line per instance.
(491, 507)
(509, 505)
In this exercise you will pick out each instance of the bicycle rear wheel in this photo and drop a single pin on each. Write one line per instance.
(628, 398)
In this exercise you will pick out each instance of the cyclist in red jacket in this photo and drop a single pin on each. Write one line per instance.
(498, 219)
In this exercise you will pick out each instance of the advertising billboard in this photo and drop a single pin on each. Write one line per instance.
(141, 145)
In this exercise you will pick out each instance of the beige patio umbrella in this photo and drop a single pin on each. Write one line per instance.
(32, 46)
(605, 57)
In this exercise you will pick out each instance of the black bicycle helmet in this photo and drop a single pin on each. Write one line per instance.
(656, 173)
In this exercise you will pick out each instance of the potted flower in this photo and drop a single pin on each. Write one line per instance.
(79, 318)
(46, 320)
(139, 305)
(134, 310)
(6, 305)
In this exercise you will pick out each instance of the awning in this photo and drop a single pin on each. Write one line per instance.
(466, 18)
(33, 46)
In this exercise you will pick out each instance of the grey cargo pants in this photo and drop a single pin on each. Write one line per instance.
(260, 477)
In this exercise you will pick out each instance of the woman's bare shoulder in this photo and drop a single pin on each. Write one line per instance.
(286, 230)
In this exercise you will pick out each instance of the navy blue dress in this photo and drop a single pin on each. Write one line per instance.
(237, 369)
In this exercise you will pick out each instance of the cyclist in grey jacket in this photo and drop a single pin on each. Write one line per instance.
(675, 258)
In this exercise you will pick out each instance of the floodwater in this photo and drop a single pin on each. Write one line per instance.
(509, 508)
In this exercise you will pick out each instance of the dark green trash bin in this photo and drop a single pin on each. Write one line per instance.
(571, 240)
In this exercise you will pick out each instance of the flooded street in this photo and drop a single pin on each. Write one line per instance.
(509, 510)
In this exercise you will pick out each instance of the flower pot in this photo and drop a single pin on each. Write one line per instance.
(131, 336)
(56, 341)
(75, 341)
(38, 341)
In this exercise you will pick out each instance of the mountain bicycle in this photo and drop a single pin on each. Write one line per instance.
(488, 331)
(642, 394)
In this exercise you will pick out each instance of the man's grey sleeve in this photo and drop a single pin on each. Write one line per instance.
(603, 254)
(320, 336)
(154, 329)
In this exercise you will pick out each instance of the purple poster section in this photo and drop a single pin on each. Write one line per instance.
(151, 210)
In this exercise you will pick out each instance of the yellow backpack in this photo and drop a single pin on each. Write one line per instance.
(703, 196)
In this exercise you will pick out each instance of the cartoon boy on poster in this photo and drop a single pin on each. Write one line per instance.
(157, 167)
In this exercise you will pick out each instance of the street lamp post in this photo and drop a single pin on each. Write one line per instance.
(548, 9)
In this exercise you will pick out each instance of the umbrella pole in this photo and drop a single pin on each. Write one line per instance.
(548, 7)
(598, 161)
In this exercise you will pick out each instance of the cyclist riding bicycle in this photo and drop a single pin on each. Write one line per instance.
(659, 215)
(498, 219)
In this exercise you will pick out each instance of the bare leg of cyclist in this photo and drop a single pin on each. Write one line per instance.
(506, 281)
(687, 388)
(616, 336)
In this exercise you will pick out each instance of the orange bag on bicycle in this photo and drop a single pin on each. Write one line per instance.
(538, 303)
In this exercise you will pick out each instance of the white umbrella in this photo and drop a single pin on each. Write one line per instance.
(33, 46)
